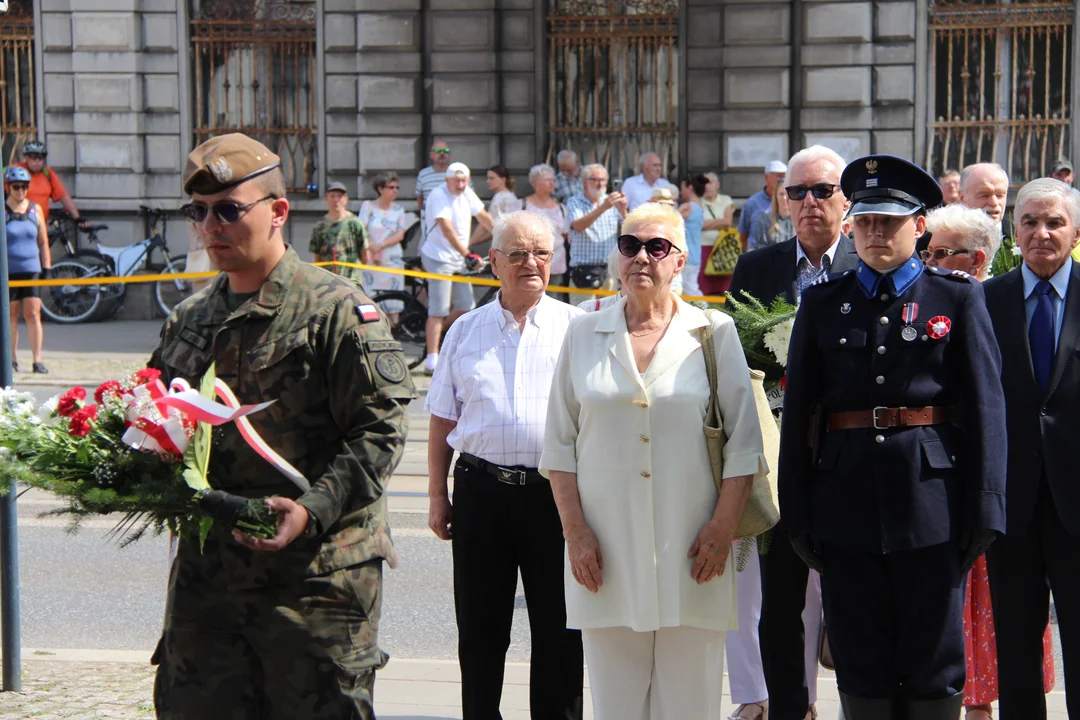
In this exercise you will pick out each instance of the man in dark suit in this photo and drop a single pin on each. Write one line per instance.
(785, 270)
(1036, 315)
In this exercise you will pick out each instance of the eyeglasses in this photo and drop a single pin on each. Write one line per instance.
(226, 212)
(19, 186)
(822, 191)
(941, 253)
(656, 248)
(391, 187)
(597, 180)
(519, 257)
(441, 151)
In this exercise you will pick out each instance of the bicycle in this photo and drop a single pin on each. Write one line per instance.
(90, 303)
(410, 329)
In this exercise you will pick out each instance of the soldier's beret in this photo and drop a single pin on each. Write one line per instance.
(225, 161)
(888, 185)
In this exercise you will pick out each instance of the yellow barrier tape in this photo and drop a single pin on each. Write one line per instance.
(487, 282)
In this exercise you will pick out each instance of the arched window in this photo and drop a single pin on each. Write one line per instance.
(254, 71)
(18, 98)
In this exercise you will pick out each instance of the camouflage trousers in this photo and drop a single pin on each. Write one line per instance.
(303, 650)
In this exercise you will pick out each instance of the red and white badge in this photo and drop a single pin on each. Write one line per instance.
(938, 326)
(367, 313)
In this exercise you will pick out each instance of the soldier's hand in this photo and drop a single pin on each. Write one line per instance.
(808, 551)
(292, 520)
(974, 545)
(441, 517)
(710, 553)
(586, 560)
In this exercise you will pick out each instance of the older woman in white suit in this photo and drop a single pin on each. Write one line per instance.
(649, 581)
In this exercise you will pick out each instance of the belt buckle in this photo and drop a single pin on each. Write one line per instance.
(876, 426)
(511, 476)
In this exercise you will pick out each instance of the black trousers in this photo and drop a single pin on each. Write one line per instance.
(1020, 566)
(780, 631)
(498, 530)
(895, 622)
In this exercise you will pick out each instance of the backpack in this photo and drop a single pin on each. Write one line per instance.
(31, 214)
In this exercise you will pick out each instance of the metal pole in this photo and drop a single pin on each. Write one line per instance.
(11, 642)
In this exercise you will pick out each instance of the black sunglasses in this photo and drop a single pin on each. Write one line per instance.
(226, 212)
(822, 191)
(656, 248)
(941, 253)
(19, 186)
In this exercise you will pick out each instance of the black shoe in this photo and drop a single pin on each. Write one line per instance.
(40, 369)
(14, 366)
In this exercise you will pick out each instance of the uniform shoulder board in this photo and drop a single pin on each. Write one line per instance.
(958, 275)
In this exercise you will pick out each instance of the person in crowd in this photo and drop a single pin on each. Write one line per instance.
(719, 211)
(340, 236)
(503, 200)
(790, 594)
(283, 627)
(774, 226)
(1063, 171)
(594, 217)
(985, 186)
(45, 184)
(760, 201)
(1036, 314)
(613, 283)
(950, 187)
(445, 251)
(639, 188)
(488, 401)
(542, 202)
(648, 574)
(386, 222)
(965, 239)
(892, 454)
(568, 181)
(28, 258)
(691, 192)
(433, 176)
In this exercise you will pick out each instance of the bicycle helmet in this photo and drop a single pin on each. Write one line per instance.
(17, 174)
(34, 147)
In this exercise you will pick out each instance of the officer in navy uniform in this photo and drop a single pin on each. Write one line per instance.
(892, 457)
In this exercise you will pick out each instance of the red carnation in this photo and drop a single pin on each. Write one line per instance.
(146, 375)
(81, 423)
(107, 389)
(71, 402)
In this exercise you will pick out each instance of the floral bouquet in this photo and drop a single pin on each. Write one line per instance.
(133, 452)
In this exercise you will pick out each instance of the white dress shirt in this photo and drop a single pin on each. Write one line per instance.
(638, 192)
(493, 379)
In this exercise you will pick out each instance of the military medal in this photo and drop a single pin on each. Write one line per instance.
(910, 312)
(938, 327)
(845, 308)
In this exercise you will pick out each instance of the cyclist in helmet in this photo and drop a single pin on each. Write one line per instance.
(28, 259)
(45, 184)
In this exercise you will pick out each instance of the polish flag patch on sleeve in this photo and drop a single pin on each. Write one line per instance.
(367, 313)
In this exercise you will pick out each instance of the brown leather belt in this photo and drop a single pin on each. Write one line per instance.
(881, 418)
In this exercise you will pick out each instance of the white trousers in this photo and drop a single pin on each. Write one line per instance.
(689, 275)
(746, 677)
(669, 674)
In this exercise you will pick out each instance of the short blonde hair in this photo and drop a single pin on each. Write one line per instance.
(665, 215)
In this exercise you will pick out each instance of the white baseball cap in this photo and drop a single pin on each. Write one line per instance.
(458, 169)
(776, 166)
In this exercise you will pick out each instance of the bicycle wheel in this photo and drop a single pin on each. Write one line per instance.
(69, 304)
(169, 293)
(112, 294)
(411, 326)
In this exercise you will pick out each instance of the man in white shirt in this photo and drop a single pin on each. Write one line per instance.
(488, 401)
(448, 222)
(639, 188)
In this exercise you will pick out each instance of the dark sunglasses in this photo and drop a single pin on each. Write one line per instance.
(941, 253)
(392, 187)
(226, 212)
(19, 186)
(441, 151)
(33, 156)
(822, 191)
(656, 248)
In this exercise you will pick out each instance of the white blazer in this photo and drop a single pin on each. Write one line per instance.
(637, 444)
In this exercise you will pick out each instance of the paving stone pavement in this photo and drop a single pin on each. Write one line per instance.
(82, 691)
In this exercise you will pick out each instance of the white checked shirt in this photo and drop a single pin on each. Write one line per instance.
(493, 380)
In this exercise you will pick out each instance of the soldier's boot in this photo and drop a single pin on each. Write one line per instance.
(860, 708)
(944, 709)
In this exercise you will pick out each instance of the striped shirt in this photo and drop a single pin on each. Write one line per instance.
(493, 379)
(593, 246)
(429, 179)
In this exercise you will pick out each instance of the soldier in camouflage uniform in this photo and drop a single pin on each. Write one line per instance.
(286, 627)
(340, 235)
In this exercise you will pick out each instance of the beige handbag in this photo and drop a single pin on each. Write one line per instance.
(760, 513)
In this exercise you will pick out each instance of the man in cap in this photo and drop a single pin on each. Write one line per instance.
(892, 459)
(1063, 171)
(448, 222)
(340, 236)
(761, 201)
(285, 627)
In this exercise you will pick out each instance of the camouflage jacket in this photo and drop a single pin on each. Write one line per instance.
(343, 240)
(342, 390)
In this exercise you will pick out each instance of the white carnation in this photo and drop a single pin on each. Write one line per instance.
(777, 338)
(1016, 251)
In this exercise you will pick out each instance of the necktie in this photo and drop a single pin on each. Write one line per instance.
(1041, 336)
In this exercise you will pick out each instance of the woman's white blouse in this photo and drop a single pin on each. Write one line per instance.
(637, 444)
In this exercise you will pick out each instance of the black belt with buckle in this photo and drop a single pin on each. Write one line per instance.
(506, 475)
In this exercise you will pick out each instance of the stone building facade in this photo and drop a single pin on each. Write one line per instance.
(121, 88)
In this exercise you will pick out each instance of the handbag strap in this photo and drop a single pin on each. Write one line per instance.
(708, 349)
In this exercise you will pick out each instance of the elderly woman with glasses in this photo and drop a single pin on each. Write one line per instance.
(962, 238)
(386, 223)
(648, 536)
(543, 202)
